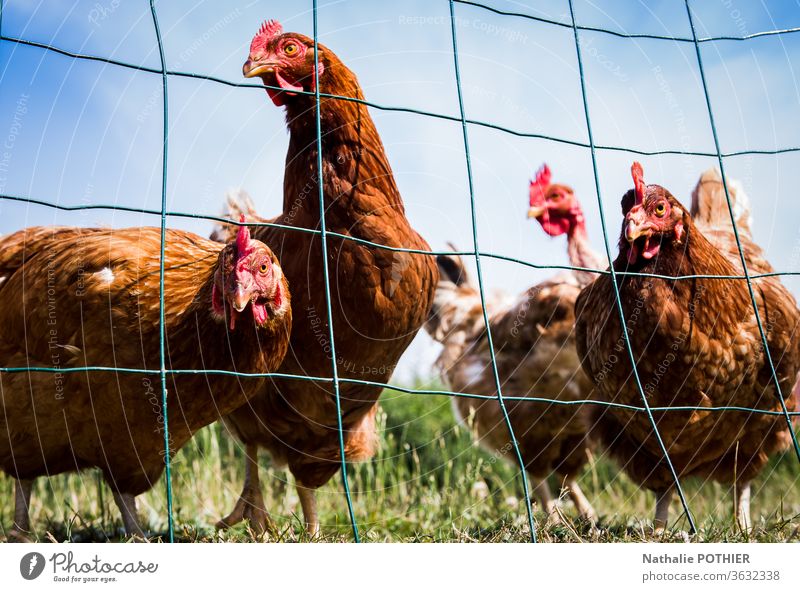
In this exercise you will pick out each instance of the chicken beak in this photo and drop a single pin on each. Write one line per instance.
(535, 211)
(634, 231)
(241, 298)
(252, 69)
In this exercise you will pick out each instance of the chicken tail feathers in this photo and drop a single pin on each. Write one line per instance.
(451, 268)
(238, 205)
(454, 296)
(710, 208)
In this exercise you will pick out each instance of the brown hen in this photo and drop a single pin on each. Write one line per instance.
(90, 297)
(379, 298)
(695, 342)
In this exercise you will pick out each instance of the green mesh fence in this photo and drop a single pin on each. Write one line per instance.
(335, 380)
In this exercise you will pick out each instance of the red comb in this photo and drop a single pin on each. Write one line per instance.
(539, 185)
(243, 242)
(638, 181)
(268, 30)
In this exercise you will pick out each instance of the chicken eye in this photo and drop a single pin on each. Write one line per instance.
(660, 210)
(264, 267)
(290, 49)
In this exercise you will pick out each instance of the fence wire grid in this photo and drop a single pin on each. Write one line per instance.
(475, 252)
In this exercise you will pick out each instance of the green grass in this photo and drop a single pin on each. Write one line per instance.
(429, 482)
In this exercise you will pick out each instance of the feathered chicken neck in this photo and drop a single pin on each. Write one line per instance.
(353, 156)
(581, 254)
(199, 312)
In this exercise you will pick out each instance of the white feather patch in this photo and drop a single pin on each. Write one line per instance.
(105, 275)
(474, 372)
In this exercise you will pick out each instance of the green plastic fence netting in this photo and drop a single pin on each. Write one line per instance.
(475, 252)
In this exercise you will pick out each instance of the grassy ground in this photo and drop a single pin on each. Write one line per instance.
(428, 483)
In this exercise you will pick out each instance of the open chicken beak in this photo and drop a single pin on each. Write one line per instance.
(252, 69)
(634, 230)
(535, 211)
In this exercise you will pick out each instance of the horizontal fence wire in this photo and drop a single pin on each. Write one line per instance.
(324, 234)
(458, 252)
(385, 385)
(400, 109)
(624, 35)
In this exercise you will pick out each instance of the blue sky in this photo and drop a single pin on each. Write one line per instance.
(83, 132)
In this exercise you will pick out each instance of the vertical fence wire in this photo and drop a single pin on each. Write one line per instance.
(161, 323)
(506, 418)
(748, 280)
(615, 282)
(324, 242)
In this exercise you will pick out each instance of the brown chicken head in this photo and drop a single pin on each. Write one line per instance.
(653, 219)
(248, 276)
(285, 60)
(553, 205)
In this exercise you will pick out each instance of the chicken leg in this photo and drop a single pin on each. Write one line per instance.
(127, 507)
(741, 502)
(22, 500)
(308, 501)
(549, 505)
(250, 505)
(663, 500)
(585, 509)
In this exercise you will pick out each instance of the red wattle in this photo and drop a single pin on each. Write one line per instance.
(285, 84)
(277, 97)
(216, 302)
(555, 225)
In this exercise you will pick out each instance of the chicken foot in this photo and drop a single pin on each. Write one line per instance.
(250, 505)
(308, 501)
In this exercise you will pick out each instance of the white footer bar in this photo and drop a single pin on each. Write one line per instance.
(410, 567)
